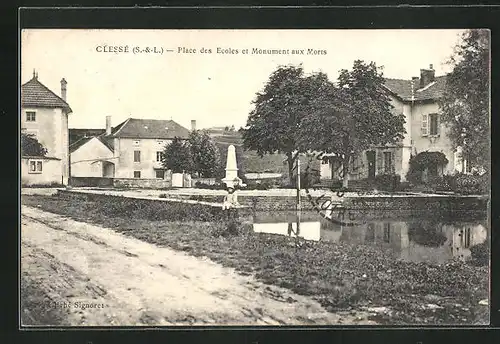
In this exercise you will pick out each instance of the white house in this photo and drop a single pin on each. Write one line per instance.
(417, 99)
(44, 115)
(131, 150)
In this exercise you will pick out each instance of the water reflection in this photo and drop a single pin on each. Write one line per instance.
(410, 239)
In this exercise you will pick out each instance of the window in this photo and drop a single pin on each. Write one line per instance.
(137, 174)
(425, 125)
(137, 156)
(370, 233)
(433, 124)
(465, 236)
(160, 174)
(387, 232)
(35, 166)
(159, 155)
(30, 116)
(388, 162)
(137, 143)
(430, 124)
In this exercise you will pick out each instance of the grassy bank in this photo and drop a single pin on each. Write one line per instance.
(339, 276)
(35, 306)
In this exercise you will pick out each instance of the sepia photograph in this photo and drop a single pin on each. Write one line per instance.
(254, 177)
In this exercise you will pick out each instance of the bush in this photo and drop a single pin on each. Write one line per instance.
(404, 186)
(312, 178)
(218, 186)
(444, 183)
(387, 182)
(422, 161)
(481, 253)
(471, 184)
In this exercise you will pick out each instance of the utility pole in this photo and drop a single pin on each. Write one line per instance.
(298, 207)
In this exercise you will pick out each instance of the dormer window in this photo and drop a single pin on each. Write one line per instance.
(30, 116)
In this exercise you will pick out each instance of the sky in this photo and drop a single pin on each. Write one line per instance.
(214, 89)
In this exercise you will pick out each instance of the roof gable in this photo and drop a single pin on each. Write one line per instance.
(84, 140)
(150, 129)
(404, 90)
(36, 94)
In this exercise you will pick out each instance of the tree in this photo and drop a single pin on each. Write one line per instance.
(274, 125)
(31, 147)
(206, 159)
(355, 115)
(177, 156)
(465, 103)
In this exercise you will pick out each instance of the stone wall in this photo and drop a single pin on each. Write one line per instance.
(445, 205)
(91, 181)
(141, 183)
(259, 203)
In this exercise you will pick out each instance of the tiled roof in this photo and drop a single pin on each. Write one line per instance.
(150, 129)
(77, 144)
(36, 94)
(39, 157)
(106, 140)
(403, 89)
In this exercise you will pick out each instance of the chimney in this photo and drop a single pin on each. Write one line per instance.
(108, 125)
(193, 124)
(63, 88)
(426, 76)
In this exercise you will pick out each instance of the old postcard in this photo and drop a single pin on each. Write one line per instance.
(254, 177)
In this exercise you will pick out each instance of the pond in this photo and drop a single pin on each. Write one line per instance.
(416, 239)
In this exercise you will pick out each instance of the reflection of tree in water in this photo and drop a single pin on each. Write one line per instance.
(426, 233)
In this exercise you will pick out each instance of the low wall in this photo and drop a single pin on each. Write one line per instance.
(141, 183)
(210, 211)
(91, 181)
(445, 205)
(258, 203)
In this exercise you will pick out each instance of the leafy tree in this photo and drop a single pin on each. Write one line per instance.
(31, 147)
(465, 104)
(274, 125)
(177, 156)
(204, 153)
(355, 115)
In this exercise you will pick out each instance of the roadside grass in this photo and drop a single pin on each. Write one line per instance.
(35, 309)
(339, 276)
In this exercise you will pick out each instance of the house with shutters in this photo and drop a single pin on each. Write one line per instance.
(130, 151)
(417, 99)
(44, 115)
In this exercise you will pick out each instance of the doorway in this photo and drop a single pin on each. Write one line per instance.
(370, 157)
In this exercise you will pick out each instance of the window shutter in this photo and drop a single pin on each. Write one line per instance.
(438, 124)
(425, 125)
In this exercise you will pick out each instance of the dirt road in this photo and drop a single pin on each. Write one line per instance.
(136, 283)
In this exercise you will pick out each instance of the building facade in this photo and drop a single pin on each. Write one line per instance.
(44, 115)
(417, 100)
(131, 150)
